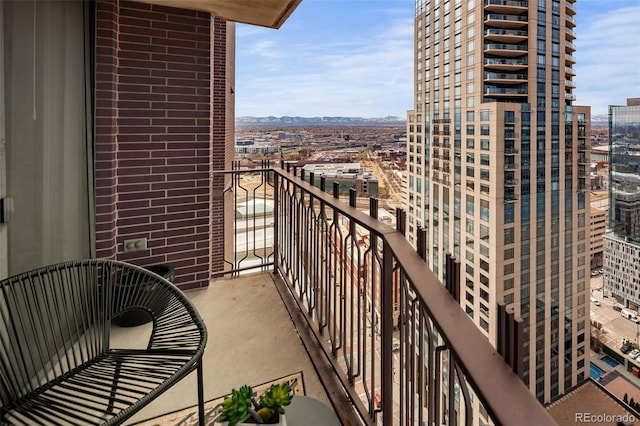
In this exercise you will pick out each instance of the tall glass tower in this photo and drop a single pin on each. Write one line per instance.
(498, 165)
(622, 245)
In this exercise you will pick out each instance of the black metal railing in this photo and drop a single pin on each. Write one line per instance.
(400, 344)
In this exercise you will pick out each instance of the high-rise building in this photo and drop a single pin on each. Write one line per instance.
(622, 245)
(498, 170)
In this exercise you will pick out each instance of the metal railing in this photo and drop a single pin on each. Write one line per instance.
(402, 348)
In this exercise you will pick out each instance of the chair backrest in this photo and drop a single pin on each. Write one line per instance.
(57, 318)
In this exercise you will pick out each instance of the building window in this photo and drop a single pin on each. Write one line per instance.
(508, 253)
(484, 115)
(509, 215)
(484, 210)
(484, 129)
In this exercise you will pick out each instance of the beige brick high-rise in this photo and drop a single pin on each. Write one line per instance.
(498, 172)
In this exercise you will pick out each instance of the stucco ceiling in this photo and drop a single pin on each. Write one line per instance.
(265, 13)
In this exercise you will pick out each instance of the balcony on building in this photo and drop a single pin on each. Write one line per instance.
(570, 46)
(570, 8)
(506, 6)
(569, 70)
(569, 83)
(571, 22)
(502, 35)
(510, 151)
(499, 20)
(506, 78)
(510, 166)
(505, 49)
(504, 64)
(511, 182)
(510, 198)
(569, 58)
(571, 35)
(493, 91)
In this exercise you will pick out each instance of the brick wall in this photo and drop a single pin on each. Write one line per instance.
(154, 135)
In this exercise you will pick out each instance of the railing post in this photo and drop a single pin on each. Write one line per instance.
(401, 221)
(323, 184)
(387, 334)
(276, 215)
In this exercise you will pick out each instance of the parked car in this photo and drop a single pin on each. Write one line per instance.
(601, 271)
(617, 308)
(595, 301)
(634, 354)
(594, 273)
(625, 348)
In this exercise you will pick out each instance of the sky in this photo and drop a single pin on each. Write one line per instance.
(355, 58)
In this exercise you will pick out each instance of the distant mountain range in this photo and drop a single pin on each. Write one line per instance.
(599, 120)
(314, 121)
(596, 120)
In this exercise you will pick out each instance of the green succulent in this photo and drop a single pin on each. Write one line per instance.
(276, 397)
(236, 407)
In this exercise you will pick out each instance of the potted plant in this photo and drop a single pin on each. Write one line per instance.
(240, 408)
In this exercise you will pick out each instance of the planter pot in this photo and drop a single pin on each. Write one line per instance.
(282, 421)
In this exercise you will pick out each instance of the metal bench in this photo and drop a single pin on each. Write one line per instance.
(56, 362)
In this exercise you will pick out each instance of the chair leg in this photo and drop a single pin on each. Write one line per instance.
(200, 394)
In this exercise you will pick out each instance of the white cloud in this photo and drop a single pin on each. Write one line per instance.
(368, 74)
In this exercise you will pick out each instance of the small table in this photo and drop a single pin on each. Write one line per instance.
(307, 411)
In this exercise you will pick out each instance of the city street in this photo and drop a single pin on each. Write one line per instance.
(615, 327)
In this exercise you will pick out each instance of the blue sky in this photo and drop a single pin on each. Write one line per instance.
(355, 58)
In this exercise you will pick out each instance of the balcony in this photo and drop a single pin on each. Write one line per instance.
(569, 58)
(492, 91)
(570, 96)
(511, 182)
(505, 6)
(495, 77)
(510, 151)
(571, 35)
(352, 285)
(510, 166)
(571, 22)
(570, 8)
(505, 49)
(506, 64)
(506, 21)
(510, 198)
(569, 71)
(570, 46)
(505, 36)
(569, 83)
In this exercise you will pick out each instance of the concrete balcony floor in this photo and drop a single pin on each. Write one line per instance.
(251, 340)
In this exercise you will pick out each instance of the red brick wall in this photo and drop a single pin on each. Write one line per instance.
(154, 135)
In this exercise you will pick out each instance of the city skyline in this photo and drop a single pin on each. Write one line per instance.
(355, 58)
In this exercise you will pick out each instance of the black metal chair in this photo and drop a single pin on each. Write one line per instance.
(56, 362)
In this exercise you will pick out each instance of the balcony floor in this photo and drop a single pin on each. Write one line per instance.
(252, 340)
